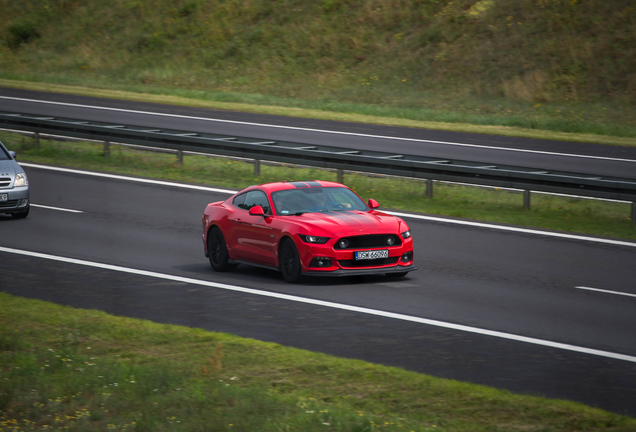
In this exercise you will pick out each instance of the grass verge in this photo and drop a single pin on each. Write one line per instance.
(84, 370)
(593, 217)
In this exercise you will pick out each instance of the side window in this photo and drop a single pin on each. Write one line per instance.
(239, 201)
(254, 198)
(286, 201)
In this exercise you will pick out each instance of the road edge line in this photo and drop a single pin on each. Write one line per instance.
(340, 306)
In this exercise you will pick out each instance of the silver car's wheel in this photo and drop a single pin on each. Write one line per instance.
(23, 214)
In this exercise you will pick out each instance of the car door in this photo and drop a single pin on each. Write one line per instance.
(231, 224)
(254, 236)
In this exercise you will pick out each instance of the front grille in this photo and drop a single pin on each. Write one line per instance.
(9, 204)
(368, 263)
(5, 181)
(369, 241)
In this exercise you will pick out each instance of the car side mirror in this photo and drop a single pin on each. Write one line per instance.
(373, 204)
(12, 154)
(257, 211)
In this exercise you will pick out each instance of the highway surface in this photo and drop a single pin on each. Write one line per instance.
(531, 312)
(490, 149)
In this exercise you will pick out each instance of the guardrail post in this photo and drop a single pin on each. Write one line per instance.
(36, 140)
(526, 199)
(633, 212)
(106, 149)
(429, 188)
(180, 157)
(340, 174)
(257, 167)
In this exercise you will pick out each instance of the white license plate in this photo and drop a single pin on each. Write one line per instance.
(375, 254)
(4, 197)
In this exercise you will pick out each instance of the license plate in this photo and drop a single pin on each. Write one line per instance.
(367, 255)
(4, 197)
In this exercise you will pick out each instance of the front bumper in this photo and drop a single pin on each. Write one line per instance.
(362, 271)
(17, 200)
(326, 260)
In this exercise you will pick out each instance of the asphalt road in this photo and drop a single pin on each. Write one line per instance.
(490, 149)
(517, 283)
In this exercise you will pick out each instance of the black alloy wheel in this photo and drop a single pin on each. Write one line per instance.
(289, 262)
(217, 251)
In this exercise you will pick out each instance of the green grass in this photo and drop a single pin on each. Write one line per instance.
(594, 217)
(83, 370)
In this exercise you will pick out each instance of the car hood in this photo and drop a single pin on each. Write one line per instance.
(8, 169)
(350, 223)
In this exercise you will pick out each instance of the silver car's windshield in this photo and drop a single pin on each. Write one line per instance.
(3, 153)
(316, 199)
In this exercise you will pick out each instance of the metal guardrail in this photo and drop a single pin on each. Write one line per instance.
(338, 158)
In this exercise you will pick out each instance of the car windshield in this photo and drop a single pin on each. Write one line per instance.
(311, 200)
(3, 153)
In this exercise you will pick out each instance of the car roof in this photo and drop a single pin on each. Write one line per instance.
(273, 187)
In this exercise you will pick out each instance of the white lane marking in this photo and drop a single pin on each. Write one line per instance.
(322, 130)
(515, 229)
(606, 291)
(56, 208)
(328, 304)
(405, 215)
(133, 179)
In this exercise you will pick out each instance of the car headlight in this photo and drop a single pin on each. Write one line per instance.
(406, 234)
(313, 239)
(21, 180)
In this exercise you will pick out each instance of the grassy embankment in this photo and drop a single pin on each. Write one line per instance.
(565, 66)
(80, 370)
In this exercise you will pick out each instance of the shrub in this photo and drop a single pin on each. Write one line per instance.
(21, 33)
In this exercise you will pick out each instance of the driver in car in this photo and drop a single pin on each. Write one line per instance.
(321, 203)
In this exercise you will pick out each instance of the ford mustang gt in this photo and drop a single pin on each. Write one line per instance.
(310, 228)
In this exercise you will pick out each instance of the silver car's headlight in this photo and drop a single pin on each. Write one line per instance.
(21, 180)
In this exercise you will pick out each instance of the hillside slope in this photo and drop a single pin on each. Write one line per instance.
(407, 53)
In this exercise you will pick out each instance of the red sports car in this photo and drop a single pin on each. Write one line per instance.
(312, 228)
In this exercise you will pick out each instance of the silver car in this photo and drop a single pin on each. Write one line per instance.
(14, 186)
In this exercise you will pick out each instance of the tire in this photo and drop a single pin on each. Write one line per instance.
(23, 214)
(217, 251)
(289, 262)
